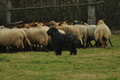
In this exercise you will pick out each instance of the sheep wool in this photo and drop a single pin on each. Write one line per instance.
(71, 29)
(9, 38)
(102, 34)
(90, 34)
(82, 31)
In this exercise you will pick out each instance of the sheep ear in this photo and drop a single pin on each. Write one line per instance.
(36, 23)
(97, 21)
(103, 19)
(82, 22)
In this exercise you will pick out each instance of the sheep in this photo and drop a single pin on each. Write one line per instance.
(33, 24)
(53, 24)
(26, 41)
(82, 31)
(1, 27)
(102, 34)
(76, 22)
(11, 38)
(37, 36)
(90, 34)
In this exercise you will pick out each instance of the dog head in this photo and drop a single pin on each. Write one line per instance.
(77, 43)
(52, 31)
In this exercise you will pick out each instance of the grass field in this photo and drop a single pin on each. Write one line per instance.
(88, 64)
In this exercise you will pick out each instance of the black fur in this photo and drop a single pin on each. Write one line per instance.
(60, 41)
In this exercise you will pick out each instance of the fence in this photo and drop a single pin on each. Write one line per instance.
(58, 10)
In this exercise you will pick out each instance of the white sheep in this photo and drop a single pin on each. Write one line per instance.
(26, 41)
(53, 24)
(1, 27)
(90, 34)
(102, 34)
(82, 31)
(37, 36)
(11, 38)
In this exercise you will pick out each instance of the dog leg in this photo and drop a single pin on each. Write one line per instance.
(75, 51)
(58, 51)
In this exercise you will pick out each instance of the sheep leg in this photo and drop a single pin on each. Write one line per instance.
(35, 48)
(39, 47)
(90, 44)
(83, 43)
(12, 49)
(102, 42)
(110, 43)
(2, 49)
(32, 47)
(105, 44)
(87, 44)
(97, 44)
(45, 47)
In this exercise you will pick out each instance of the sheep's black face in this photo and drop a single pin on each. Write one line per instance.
(52, 31)
(76, 22)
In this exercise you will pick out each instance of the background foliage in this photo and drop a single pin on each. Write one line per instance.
(110, 11)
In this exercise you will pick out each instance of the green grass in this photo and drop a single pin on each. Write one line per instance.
(88, 64)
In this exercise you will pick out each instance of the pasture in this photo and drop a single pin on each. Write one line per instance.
(88, 64)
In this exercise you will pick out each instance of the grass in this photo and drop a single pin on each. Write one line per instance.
(88, 64)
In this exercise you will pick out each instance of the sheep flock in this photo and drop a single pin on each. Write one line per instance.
(34, 37)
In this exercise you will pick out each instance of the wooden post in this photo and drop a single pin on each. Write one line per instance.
(8, 12)
(91, 13)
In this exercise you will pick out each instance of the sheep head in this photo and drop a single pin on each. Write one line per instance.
(33, 24)
(53, 24)
(100, 22)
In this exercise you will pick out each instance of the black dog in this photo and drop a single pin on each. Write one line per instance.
(60, 41)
